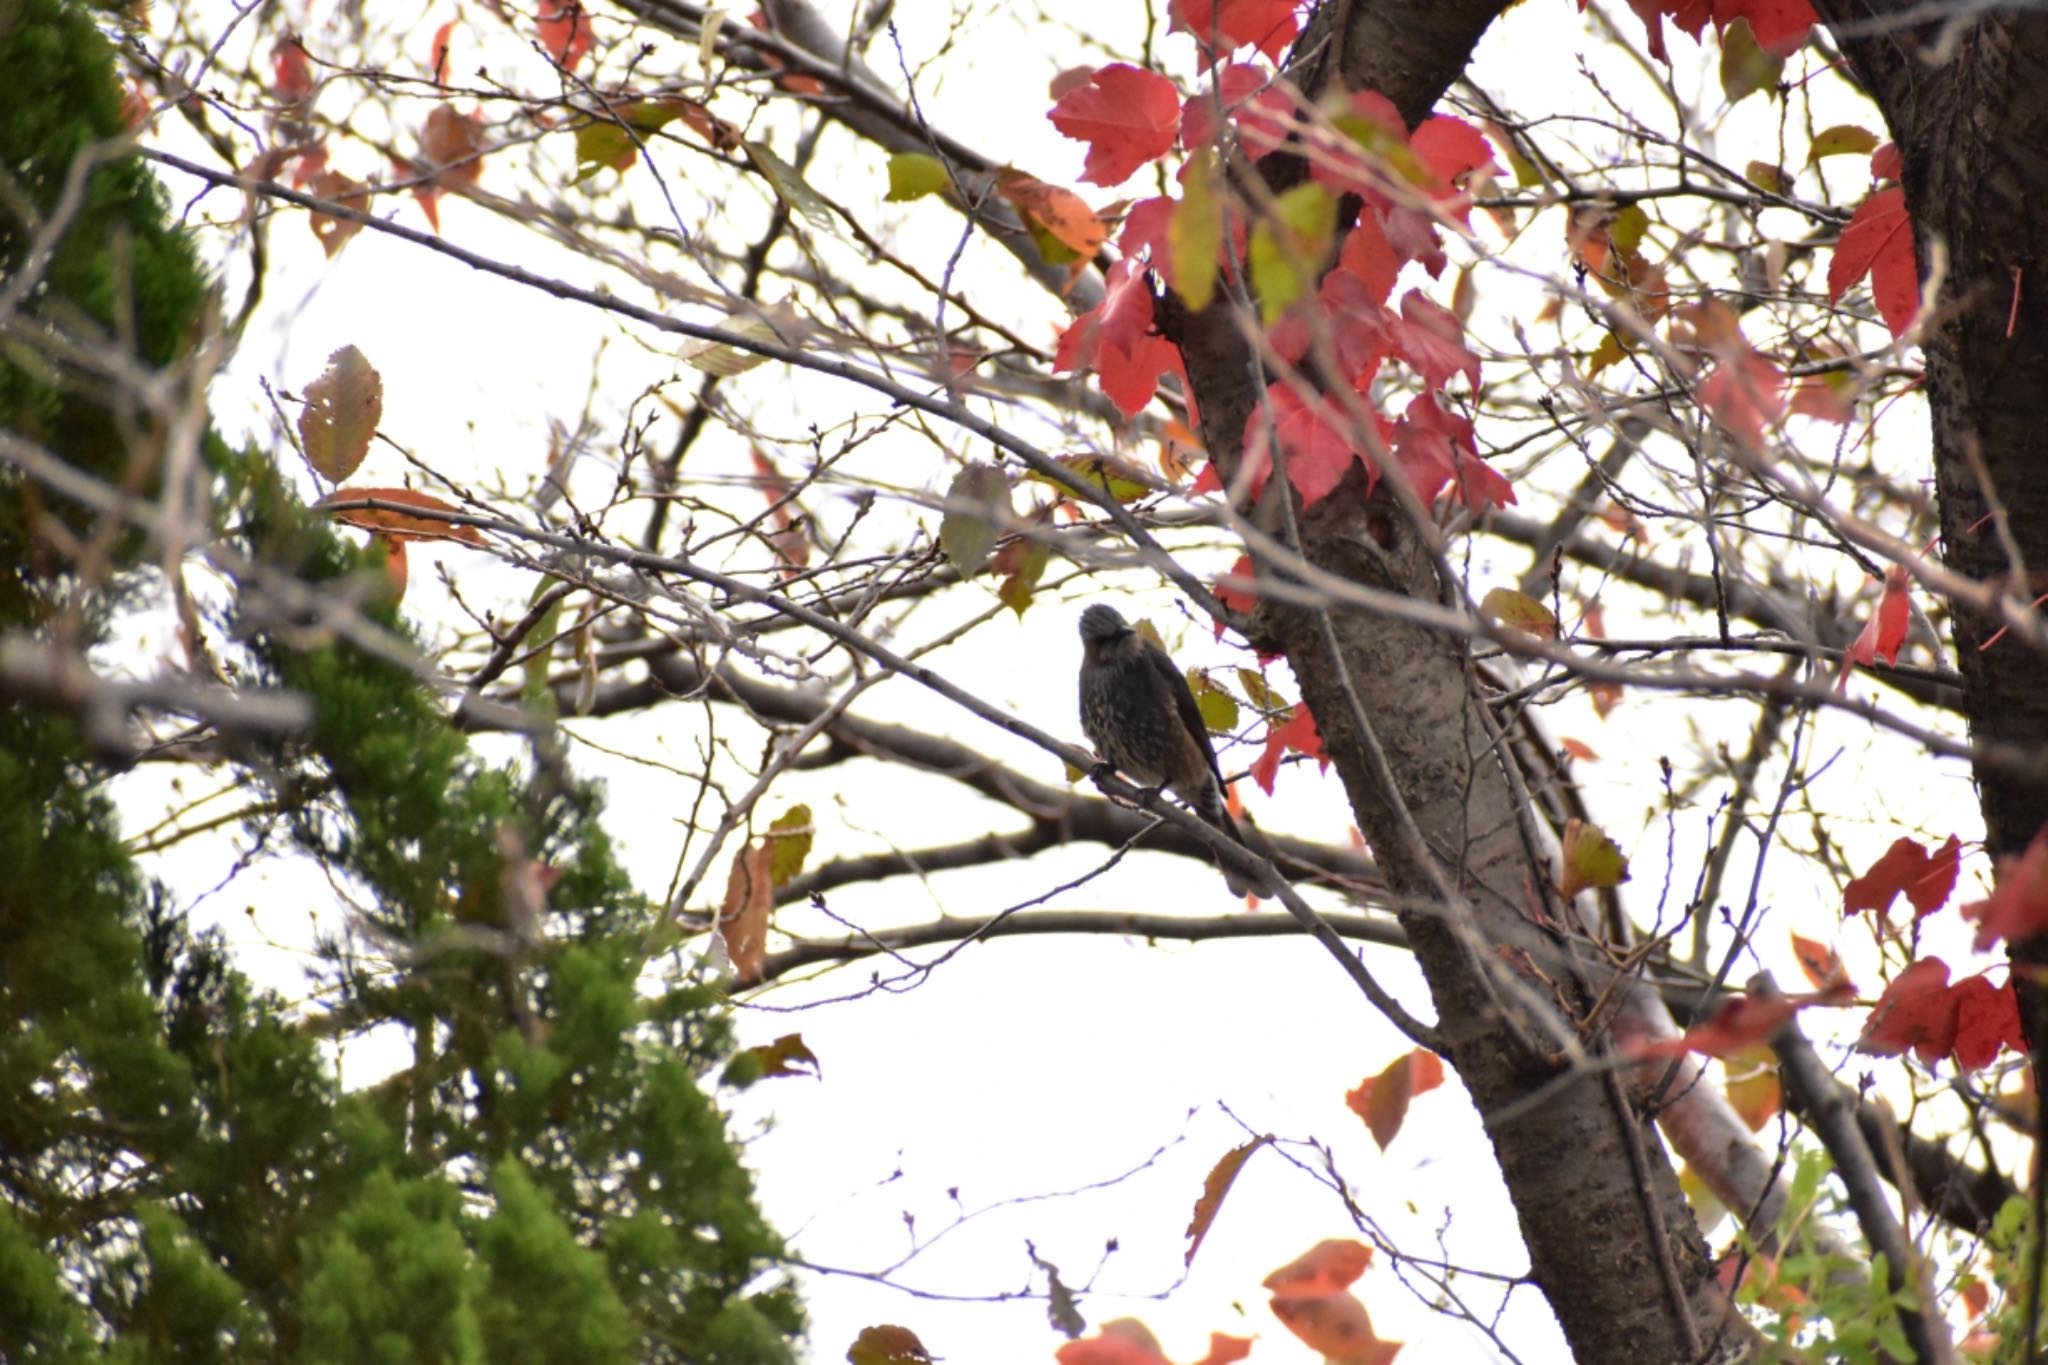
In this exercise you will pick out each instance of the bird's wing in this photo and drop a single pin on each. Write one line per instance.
(1184, 704)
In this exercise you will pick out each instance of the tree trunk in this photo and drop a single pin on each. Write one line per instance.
(1611, 1241)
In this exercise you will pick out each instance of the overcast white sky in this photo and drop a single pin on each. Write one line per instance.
(1023, 1070)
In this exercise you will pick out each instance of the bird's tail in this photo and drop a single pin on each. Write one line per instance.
(1218, 814)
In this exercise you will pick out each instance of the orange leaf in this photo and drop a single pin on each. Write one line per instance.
(1328, 1267)
(1061, 212)
(396, 571)
(398, 525)
(437, 62)
(1338, 1326)
(1214, 1187)
(1224, 1349)
(1822, 965)
(1122, 1341)
(1382, 1100)
(453, 143)
(333, 231)
(743, 920)
(1753, 1084)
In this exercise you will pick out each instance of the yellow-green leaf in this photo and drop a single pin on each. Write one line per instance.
(1745, 67)
(1590, 859)
(1766, 176)
(1120, 479)
(1519, 611)
(1194, 235)
(1611, 351)
(887, 1344)
(1261, 692)
(1022, 581)
(791, 187)
(913, 175)
(1288, 246)
(789, 839)
(1844, 139)
(1627, 227)
(978, 508)
(1218, 707)
(786, 1056)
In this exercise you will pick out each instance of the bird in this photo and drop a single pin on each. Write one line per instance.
(1138, 712)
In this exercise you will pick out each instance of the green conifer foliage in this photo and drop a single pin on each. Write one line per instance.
(181, 1176)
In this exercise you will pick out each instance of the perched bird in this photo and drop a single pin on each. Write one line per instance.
(1137, 711)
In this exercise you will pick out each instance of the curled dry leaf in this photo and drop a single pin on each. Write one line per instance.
(334, 231)
(397, 525)
(1214, 1187)
(743, 919)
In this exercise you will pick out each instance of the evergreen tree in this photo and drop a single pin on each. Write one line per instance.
(181, 1177)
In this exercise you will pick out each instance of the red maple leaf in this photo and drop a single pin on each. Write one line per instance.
(1230, 88)
(1430, 445)
(1926, 879)
(1885, 631)
(1368, 255)
(1126, 115)
(1116, 340)
(1745, 393)
(1361, 326)
(1987, 1018)
(564, 31)
(1916, 1011)
(1438, 450)
(2017, 907)
(1432, 340)
(1741, 1022)
(1311, 434)
(1297, 732)
(1780, 26)
(1452, 149)
(1144, 232)
(1226, 25)
(1878, 242)
(292, 71)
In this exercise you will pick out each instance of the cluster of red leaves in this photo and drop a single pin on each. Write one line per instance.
(1780, 26)
(1126, 1341)
(1312, 1296)
(1130, 117)
(1921, 1011)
